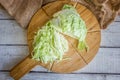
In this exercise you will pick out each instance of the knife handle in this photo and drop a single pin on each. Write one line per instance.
(23, 67)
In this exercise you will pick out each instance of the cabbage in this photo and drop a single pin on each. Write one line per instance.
(49, 43)
(69, 22)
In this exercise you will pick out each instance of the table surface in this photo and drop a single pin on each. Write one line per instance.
(13, 48)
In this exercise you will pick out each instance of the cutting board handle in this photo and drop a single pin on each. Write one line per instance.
(23, 67)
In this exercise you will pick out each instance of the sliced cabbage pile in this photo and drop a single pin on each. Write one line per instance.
(49, 43)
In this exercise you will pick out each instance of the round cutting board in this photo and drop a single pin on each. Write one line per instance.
(78, 59)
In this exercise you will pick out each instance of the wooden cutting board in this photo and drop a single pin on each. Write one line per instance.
(78, 59)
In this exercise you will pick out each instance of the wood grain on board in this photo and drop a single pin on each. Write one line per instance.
(21, 10)
(74, 57)
(50, 9)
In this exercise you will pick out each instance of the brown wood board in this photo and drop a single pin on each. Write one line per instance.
(78, 59)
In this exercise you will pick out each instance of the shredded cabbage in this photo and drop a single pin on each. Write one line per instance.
(69, 22)
(49, 44)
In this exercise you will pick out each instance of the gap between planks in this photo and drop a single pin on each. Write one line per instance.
(27, 45)
(13, 44)
(67, 73)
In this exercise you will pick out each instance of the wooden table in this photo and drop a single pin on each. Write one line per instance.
(13, 46)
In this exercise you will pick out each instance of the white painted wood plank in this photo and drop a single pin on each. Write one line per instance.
(113, 77)
(47, 76)
(110, 39)
(110, 36)
(117, 18)
(51, 76)
(11, 33)
(106, 61)
(113, 28)
(12, 55)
